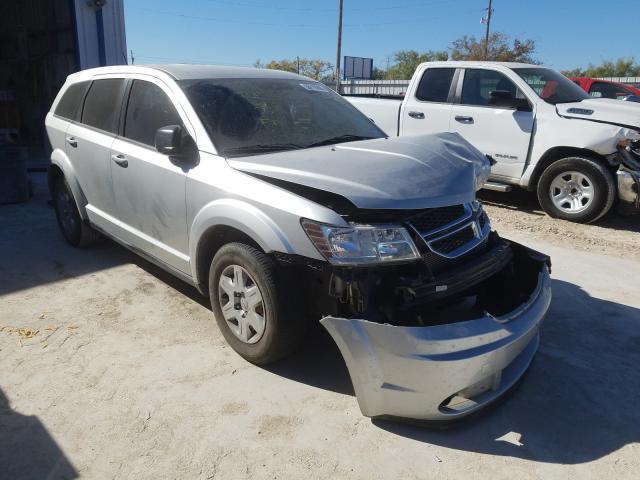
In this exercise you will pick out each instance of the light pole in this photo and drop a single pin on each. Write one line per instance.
(339, 46)
(486, 35)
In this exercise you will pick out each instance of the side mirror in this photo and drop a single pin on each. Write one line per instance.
(174, 141)
(170, 140)
(505, 99)
(632, 98)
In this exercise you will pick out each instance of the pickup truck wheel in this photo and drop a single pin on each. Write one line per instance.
(577, 189)
(75, 231)
(249, 305)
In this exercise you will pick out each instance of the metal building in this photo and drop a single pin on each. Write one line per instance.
(41, 42)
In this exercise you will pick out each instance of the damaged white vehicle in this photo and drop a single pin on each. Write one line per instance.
(544, 133)
(283, 203)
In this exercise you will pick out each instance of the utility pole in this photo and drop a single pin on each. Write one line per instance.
(133, 60)
(298, 64)
(486, 36)
(339, 46)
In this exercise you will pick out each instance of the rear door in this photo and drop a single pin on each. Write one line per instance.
(502, 133)
(149, 187)
(88, 146)
(428, 108)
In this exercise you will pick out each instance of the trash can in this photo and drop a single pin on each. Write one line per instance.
(14, 181)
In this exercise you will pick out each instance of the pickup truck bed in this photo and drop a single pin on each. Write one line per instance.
(385, 112)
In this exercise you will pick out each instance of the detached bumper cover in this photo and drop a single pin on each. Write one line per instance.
(441, 372)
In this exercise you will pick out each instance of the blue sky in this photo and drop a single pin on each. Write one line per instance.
(568, 33)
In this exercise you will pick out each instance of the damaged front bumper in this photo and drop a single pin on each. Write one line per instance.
(442, 372)
(628, 180)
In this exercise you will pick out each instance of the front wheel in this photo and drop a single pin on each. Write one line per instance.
(255, 313)
(578, 189)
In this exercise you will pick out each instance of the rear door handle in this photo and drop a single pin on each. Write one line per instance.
(419, 115)
(120, 160)
(462, 119)
(72, 141)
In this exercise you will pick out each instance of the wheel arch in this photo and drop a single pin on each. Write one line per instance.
(61, 166)
(224, 221)
(558, 153)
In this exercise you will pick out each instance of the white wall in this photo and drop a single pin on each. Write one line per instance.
(115, 42)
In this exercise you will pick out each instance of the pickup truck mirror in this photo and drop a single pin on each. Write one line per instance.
(505, 99)
(174, 141)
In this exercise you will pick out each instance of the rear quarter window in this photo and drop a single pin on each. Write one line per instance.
(102, 105)
(435, 84)
(69, 105)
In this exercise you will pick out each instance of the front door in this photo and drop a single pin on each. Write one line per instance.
(502, 133)
(149, 189)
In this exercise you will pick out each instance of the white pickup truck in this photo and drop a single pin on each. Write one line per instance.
(543, 132)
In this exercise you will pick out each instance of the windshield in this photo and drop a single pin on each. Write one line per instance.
(552, 86)
(250, 116)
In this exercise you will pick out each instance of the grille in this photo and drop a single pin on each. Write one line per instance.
(434, 218)
(454, 241)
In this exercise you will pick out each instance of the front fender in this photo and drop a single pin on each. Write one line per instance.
(59, 159)
(242, 216)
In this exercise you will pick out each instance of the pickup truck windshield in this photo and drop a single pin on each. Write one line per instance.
(251, 116)
(551, 86)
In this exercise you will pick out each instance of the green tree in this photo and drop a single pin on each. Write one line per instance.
(406, 62)
(622, 67)
(500, 49)
(313, 68)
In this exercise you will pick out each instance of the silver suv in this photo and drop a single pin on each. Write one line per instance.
(284, 204)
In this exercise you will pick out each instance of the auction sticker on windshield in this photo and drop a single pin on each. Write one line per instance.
(314, 87)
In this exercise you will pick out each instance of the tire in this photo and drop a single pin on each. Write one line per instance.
(281, 329)
(578, 189)
(75, 231)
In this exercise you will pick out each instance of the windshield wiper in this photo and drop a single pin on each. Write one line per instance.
(274, 147)
(339, 139)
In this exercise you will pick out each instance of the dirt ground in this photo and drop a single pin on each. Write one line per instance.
(110, 368)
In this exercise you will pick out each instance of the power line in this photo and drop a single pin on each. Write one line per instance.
(244, 22)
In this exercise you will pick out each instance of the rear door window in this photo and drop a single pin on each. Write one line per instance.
(102, 105)
(148, 109)
(435, 84)
(69, 105)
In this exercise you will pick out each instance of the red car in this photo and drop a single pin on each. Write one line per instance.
(604, 88)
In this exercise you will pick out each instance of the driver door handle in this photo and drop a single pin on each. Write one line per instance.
(463, 119)
(72, 141)
(418, 115)
(120, 160)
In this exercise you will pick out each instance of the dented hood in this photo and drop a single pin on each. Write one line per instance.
(423, 171)
(605, 110)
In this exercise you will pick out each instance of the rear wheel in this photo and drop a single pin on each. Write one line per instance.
(578, 189)
(251, 308)
(74, 230)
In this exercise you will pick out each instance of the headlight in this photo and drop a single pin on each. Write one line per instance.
(360, 244)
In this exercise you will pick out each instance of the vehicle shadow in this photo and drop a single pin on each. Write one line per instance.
(27, 450)
(576, 404)
(524, 201)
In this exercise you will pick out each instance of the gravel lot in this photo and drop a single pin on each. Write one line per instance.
(120, 372)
